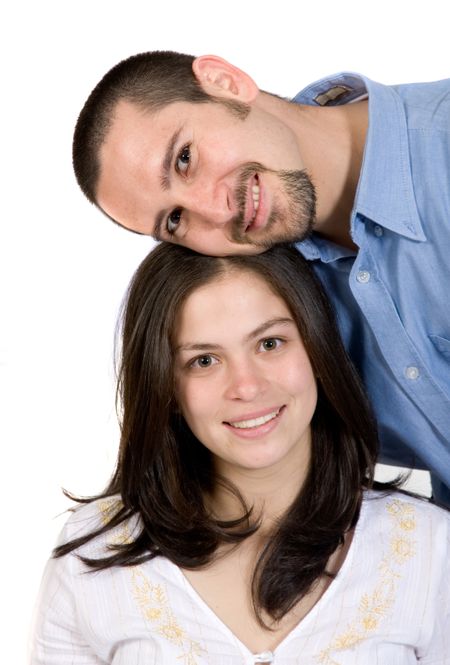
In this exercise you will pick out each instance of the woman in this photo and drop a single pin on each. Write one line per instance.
(242, 523)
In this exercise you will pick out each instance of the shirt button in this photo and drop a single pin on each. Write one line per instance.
(264, 657)
(378, 230)
(412, 372)
(363, 276)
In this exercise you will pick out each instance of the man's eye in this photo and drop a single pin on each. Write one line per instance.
(173, 220)
(184, 159)
(271, 343)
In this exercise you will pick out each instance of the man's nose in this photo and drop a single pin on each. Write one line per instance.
(246, 382)
(209, 203)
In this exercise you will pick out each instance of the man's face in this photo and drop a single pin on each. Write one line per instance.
(200, 176)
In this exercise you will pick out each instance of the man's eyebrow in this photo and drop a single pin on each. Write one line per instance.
(139, 233)
(167, 161)
(208, 346)
(156, 233)
(164, 179)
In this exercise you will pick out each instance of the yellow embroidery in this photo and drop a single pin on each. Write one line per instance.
(152, 598)
(108, 508)
(374, 607)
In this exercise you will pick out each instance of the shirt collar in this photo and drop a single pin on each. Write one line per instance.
(385, 191)
(316, 247)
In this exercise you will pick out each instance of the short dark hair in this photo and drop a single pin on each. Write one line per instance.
(163, 471)
(150, 80)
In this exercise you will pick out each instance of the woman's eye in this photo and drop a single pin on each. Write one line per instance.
(184, 159)
(271, 343)
(203, 362)
(173, 220)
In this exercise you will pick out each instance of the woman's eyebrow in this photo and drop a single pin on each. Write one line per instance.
(198, 346)
(282, 320)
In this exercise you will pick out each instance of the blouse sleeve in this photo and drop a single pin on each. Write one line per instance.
(56, 638)
(438, 650)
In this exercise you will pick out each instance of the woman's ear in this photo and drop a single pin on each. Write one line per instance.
(219, 78)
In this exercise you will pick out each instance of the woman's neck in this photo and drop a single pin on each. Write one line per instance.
(270, 491)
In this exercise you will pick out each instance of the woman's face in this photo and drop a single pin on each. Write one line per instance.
(244, 382)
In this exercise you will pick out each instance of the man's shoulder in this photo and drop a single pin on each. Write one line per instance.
(427, 104)
(333, 90)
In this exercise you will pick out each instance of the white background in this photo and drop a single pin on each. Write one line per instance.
(64, 267)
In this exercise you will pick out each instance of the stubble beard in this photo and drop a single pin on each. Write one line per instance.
(293, 223)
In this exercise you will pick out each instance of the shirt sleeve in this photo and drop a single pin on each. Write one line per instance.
(438, 649)
(56, 637)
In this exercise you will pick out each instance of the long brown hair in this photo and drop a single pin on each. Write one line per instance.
(163, 471)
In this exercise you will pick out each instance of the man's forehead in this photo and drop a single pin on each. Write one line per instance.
(123, 142)
(128, 117)
(129, 113)
(137, 140)
(137, 134)
(131, 160)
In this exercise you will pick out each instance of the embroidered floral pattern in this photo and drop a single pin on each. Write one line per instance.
(108, 508)
(374, 607)
(152, 598)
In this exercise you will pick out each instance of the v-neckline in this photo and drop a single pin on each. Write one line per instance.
(324, 599)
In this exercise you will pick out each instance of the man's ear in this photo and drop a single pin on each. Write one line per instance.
(220, 78)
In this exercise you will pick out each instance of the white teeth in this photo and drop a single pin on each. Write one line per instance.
(255, 422)
(255, 194)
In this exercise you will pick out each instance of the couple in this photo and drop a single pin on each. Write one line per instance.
(242, 524)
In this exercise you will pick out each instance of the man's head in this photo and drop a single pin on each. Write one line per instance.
(189, 150)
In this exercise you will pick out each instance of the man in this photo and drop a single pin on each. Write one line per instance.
(191, 151)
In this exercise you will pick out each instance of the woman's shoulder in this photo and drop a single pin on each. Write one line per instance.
(405, 514)
(94, 516)
(382, 500)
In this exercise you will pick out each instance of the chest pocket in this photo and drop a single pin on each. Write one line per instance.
(442, 345)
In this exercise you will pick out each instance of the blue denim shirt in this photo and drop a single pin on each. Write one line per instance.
(392, 296)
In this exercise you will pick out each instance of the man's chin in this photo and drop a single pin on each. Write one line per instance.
(268, 241)
(272, 234)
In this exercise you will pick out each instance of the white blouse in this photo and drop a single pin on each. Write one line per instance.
(389, 604)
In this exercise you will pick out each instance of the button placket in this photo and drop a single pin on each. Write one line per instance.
(265, 657)
(363, 276)
(412, 372)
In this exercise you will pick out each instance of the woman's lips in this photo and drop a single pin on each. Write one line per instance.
(257, 424)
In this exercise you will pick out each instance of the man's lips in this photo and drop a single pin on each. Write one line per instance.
(255, 214)
(249, 211)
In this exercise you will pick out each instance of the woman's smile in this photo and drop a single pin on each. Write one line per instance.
(254, 426)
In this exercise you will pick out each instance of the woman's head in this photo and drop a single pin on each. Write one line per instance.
(243, 380)
(155, 439)
(209, 338)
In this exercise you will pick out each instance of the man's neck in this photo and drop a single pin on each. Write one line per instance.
(331, 144)
(338, 170)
